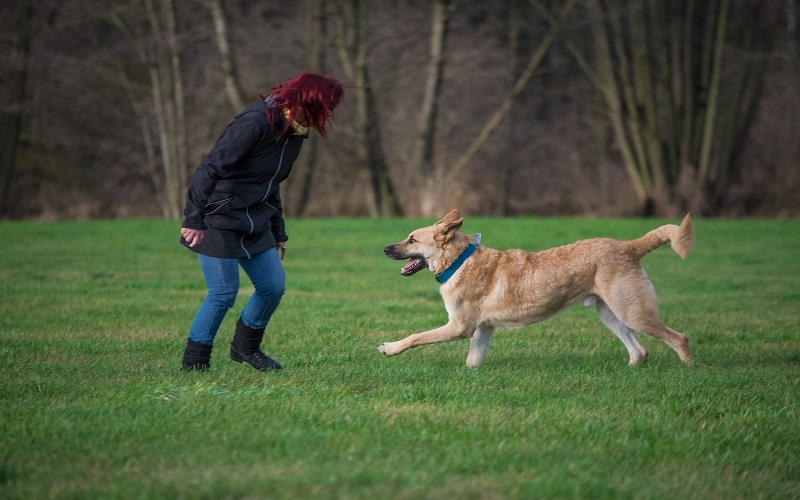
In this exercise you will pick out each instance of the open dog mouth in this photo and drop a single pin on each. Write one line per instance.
(414, 265)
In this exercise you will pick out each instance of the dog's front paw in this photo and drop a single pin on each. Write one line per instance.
(387, 349)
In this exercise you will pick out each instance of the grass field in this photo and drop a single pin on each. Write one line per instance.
(93, 319)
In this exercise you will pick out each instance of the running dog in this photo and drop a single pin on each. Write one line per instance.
(485, 288)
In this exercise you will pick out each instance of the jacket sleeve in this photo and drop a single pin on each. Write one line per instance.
(277, 225)
(236, 141)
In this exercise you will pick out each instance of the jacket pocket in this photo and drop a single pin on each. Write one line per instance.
(213, 207)
(229, 220)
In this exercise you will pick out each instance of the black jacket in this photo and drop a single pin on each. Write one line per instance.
(234, 194)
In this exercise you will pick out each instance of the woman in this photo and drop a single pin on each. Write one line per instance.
(234, 217)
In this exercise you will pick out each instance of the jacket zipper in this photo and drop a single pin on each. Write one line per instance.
(266, 194)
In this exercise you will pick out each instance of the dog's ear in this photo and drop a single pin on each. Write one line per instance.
(452, 217)
(452, 223)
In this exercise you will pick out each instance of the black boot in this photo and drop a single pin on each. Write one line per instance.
(196, 357)
(245, 347)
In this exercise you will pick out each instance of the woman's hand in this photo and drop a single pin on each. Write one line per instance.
(192, 236)
(282, 248)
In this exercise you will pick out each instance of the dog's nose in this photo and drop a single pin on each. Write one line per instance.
(387, 250)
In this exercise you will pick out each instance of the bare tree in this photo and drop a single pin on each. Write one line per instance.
(422, 159)
(664, 96)
(230, 73)
(11, 117)
(506, 167)
(353, 47)
(299, 187)
(155, 41)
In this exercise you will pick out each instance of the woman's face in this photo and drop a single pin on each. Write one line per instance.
(300, 117)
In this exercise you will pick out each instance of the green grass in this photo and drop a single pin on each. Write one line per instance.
(93, 318)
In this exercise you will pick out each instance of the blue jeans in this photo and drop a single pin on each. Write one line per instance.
(222, 277)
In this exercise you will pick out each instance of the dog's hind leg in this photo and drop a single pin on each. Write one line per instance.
(633, 301)
(479, 344)
(679, 342)
(636, 352)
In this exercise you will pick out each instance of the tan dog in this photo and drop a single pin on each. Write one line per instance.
(491, 288)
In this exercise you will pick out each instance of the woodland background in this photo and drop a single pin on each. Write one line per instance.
(508, 107)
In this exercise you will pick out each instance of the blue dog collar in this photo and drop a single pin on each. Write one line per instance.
(448, 273)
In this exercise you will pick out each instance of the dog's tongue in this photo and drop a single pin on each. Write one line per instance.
(413, 266)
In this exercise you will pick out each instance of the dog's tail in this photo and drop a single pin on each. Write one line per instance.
(681, 238)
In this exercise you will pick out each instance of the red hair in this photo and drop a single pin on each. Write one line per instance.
(312, 93)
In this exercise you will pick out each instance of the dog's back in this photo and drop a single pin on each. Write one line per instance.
(514, 288)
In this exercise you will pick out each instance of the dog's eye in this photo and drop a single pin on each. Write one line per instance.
(411, 239)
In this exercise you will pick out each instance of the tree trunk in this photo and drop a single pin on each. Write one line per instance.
(230, 73)
(303, 171)
(422, 157)
(353, 48)
(507, 163)
(709, 126)
(167, 98)
(178, 101)
(160, 55)
(11, 120)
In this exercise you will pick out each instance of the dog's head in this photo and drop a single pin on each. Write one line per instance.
(434, 247)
